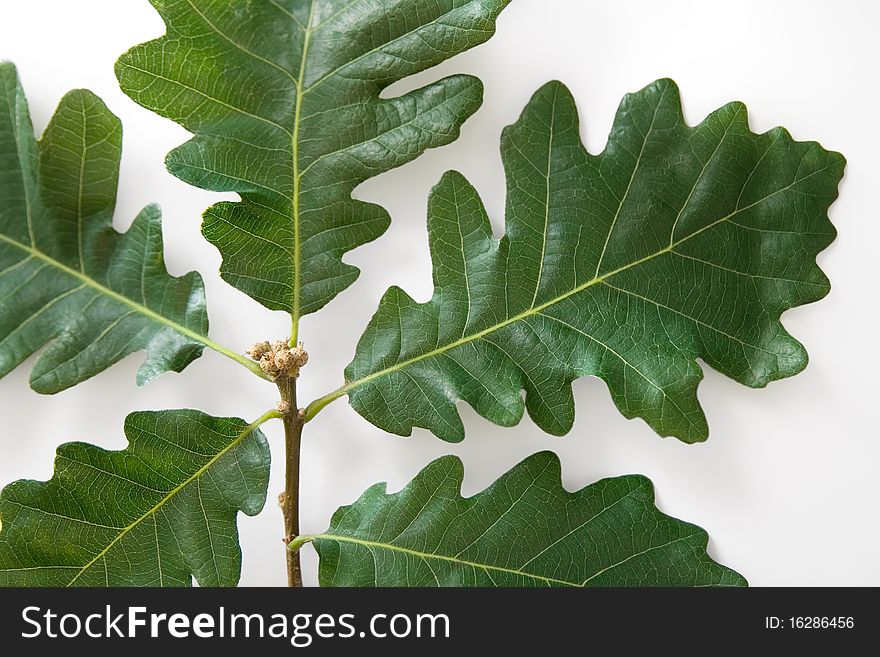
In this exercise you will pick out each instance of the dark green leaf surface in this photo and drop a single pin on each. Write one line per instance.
(283, 98)
(674, 244)
(66, 277)
(155, 514)
(524, 530)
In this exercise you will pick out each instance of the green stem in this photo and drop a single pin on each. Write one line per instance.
(294, 332)
(238, 358)
(299, 541)
(319, 404)
(274, 414)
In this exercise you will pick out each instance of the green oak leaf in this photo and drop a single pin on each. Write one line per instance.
(154, 514)
(675, 243)
(524, 530)
(66, 277)
(283, 97)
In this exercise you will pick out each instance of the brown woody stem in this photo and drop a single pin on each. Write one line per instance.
(293, 426)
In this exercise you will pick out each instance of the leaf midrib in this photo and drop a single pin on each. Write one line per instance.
(147, 312)
(175, 491)
(518, 570)
(535, 310)
(426, 556)
(301, 91)
(297, 179)
(440, 557)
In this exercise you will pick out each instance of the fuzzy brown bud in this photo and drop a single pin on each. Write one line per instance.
(267, 362)
(300, 356)
(284, 360)
(278, 359)
(258, 350)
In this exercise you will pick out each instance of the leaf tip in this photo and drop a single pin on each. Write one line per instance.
(547, 459)
(448, 469)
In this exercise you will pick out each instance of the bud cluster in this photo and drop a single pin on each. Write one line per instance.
(278, 359)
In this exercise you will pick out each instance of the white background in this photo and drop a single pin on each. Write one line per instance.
(787, 484)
